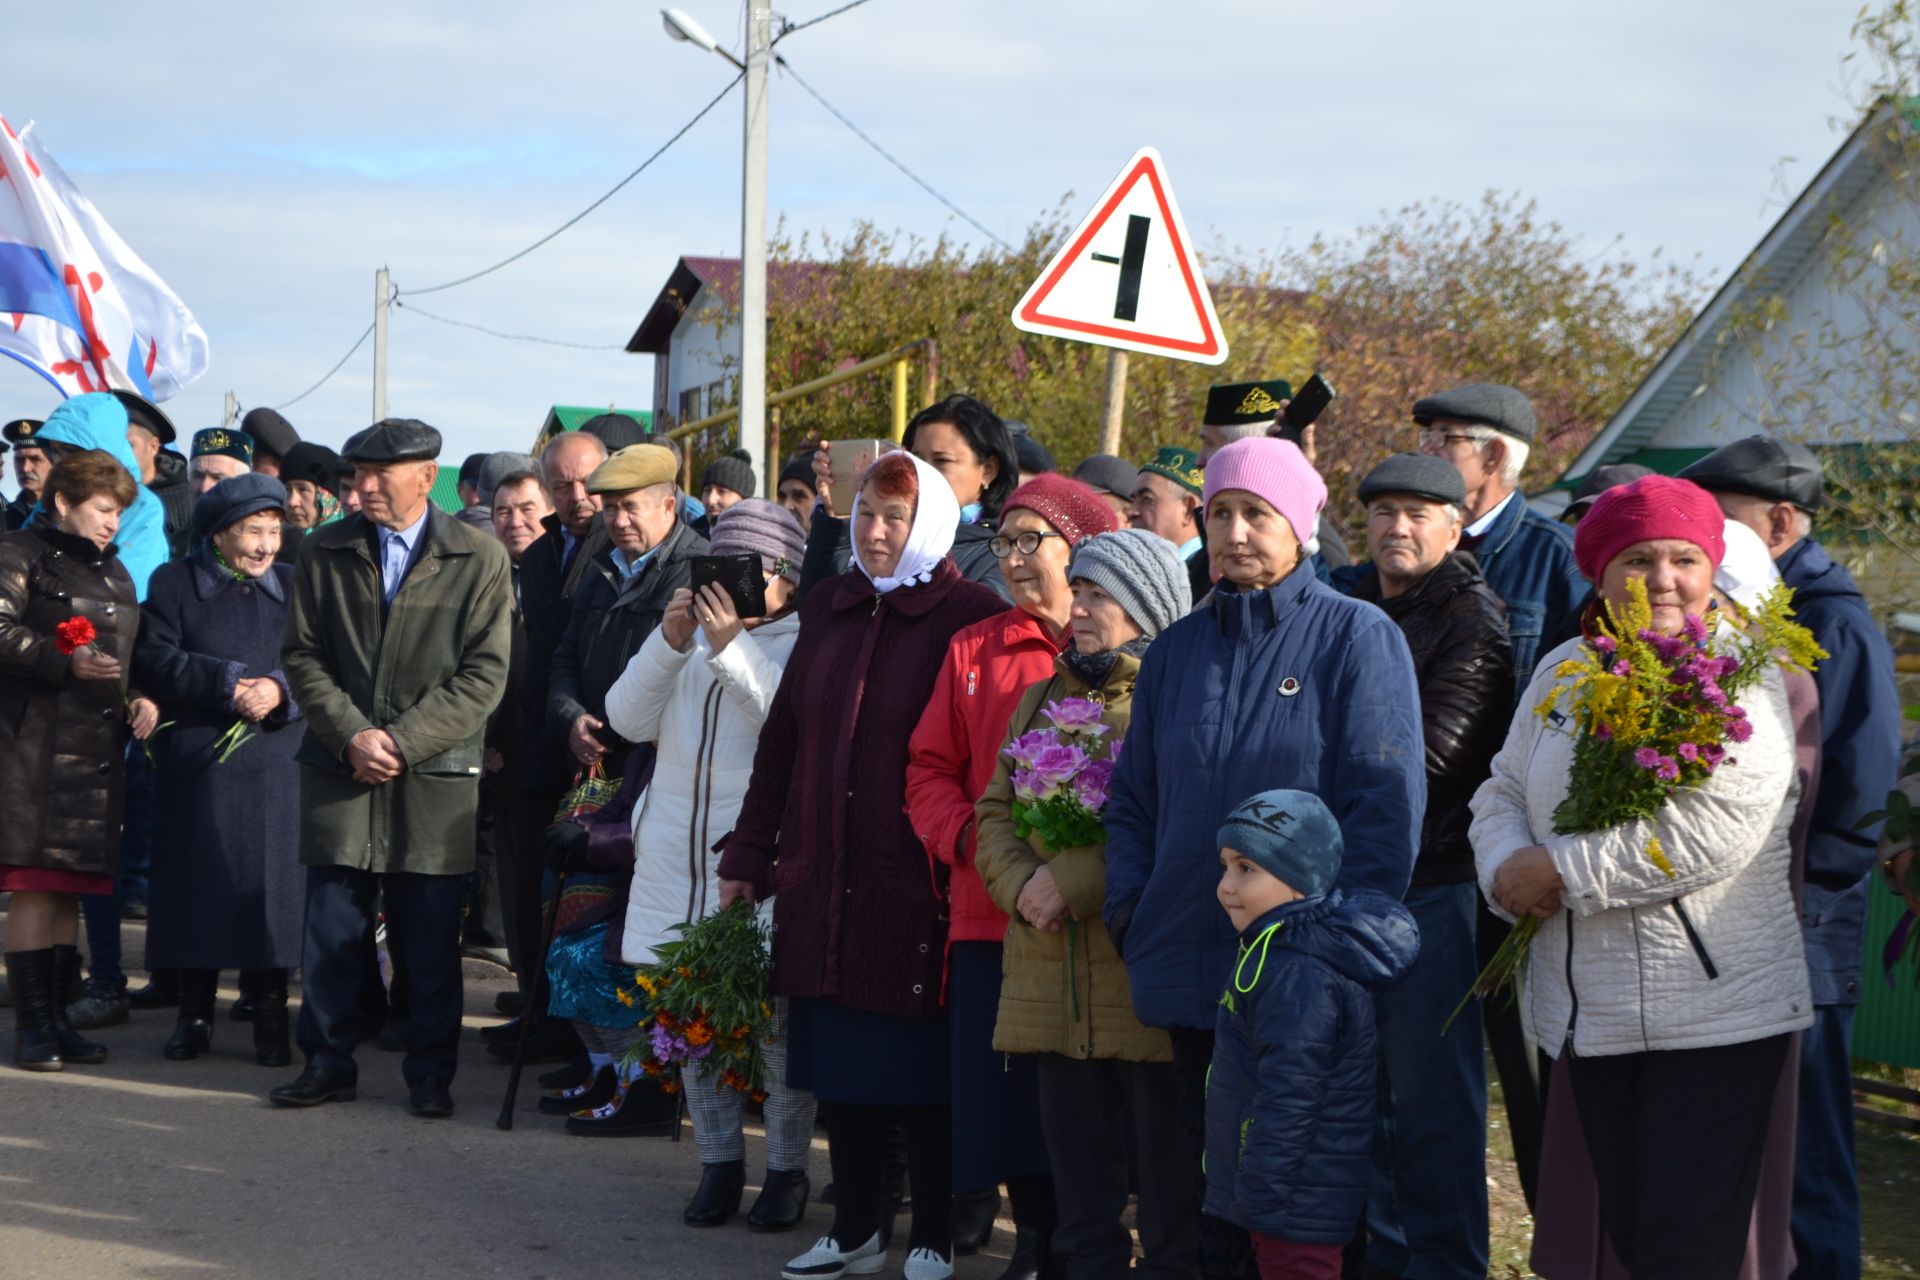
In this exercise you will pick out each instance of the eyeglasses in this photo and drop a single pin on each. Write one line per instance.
(1436, 438)
(1026, 544)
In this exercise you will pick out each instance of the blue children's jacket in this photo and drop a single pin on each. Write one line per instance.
(1291, 1097)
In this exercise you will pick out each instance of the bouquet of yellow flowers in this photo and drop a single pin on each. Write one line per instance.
(705, 996)
(1656, 715)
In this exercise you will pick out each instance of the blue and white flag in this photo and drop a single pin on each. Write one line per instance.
(77, 306)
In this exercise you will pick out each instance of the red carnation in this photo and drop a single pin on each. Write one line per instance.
(74, 634)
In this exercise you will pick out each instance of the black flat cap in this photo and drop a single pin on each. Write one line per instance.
(142, 412)
(235, 499)
(1505, 409)
(224, 442)
(616, 431)
(21, 430)
(1108, 474)
(1597, 482)
(393, 440)
(1034, 457)
(314, 463)
(1434, 479)
(1777, 470)
(1234, 404)
(271, 433)
(470, 469)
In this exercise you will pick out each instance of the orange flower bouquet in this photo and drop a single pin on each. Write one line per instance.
(705, 995)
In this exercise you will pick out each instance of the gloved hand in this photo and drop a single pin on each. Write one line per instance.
(563, 846)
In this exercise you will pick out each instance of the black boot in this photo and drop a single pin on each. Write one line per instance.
(973, 1217)
(643, 1110)
(193, 1030)
(36, 1046)
(74, 1047)
(782, 1201)
(1035, 1214)
(266, 990)
(161, 992)
(718, 1197)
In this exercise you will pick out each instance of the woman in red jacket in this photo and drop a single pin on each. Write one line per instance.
(996, 1104)
(860, 920)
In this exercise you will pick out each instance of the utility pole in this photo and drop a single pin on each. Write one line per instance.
(380, 291)
(232, 411)
(1113, 415)
(753, 245)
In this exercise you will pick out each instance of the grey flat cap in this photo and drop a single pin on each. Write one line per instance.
(1597, 482)
(1777, 470)
(393, 440)
(1505, 409)
(1434, 479)
(1108, 474)
(497, 467)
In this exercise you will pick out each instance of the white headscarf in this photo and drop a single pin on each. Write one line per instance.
(935, 519)
(1746, 571)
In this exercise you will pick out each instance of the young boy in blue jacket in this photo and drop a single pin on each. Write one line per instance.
(1290, 1101)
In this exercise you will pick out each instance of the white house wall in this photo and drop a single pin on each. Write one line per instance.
(699, 354)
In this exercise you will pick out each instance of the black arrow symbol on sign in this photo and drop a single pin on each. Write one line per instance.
(1132, 260)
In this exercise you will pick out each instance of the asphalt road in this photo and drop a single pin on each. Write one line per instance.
(144, 1167)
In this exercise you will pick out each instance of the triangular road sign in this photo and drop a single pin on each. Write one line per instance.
(1128, 276)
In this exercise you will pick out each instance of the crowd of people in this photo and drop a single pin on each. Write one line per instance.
(275, 701)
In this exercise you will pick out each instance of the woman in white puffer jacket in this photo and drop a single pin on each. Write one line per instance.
(1668, 1000)
(699, 688)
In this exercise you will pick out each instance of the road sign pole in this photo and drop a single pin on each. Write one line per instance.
(1113, 416)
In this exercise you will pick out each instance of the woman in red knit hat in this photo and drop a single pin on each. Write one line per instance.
(1666, 988)
(989, 665)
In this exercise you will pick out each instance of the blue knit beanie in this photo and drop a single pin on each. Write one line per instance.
(1289, 834)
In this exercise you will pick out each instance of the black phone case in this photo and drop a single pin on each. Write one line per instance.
(739, 577)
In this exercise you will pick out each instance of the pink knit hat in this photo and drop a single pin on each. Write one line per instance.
(1069, 506)
(1649, 508)
(1275, 470)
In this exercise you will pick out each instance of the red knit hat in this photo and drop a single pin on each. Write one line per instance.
(1066, 504)
(1649, 508)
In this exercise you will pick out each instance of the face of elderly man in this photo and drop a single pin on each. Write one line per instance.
(209, 469)
(640, 519)
(1407, 538)
(393, 494)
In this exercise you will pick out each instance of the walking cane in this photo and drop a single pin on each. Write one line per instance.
(534, 1003)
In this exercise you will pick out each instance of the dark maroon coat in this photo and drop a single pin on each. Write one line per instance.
(858, 918)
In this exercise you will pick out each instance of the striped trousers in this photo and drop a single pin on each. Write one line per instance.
(716, 1110)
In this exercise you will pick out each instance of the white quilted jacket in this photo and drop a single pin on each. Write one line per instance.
(704, 710)
(1618, 972)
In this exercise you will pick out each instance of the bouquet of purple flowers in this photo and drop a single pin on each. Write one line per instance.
(1062, 774)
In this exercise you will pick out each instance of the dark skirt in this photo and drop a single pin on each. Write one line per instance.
(48, 880)
(996, 1096)
(582, 984)
(870, 1059)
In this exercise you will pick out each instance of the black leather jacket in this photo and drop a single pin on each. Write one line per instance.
(1457, 630)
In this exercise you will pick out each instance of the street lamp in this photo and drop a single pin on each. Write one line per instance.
(753, 219)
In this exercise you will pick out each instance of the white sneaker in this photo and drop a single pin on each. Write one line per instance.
(827, 1259)
(925, 1264)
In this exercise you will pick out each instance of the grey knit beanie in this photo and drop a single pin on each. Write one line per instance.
(1141, 571)
(756, 527)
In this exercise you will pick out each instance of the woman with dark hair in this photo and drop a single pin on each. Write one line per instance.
(67, 623)
(968, 444)
(860, 919)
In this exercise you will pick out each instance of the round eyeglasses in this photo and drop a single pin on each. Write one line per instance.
(1026, 544)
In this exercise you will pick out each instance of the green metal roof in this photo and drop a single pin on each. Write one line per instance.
(446, 490)
(568, 417)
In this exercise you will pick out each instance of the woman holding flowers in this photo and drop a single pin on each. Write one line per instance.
(67, 625)
(228, 888)
(1641, 812)
(989, 666)
(1064, 1005)
(860, 919)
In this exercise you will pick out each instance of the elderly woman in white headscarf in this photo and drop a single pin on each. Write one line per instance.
(860, 917)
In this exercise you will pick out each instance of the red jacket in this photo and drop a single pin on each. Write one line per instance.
(951, 757)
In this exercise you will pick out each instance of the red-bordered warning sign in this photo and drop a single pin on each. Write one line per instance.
(1128, 276)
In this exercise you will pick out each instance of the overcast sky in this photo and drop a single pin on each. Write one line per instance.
(265, 159)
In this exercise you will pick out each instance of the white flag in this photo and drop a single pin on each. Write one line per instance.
(76, 304)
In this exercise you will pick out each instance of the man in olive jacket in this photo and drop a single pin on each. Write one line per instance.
(396, 650)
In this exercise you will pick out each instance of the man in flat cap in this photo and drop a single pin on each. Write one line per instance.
(1485, 431)
(219, 453)
(1114, 479)
(1773, 487)
(273, 439)
(30, 468)
(396, 650)
(1428, 1201)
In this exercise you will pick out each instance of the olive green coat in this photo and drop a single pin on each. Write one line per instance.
(1063, 992)
(430, 675)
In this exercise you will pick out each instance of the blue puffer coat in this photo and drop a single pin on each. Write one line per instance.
(1859, 763)
(1295, 686)
(1291, 1097)
(1527, 560)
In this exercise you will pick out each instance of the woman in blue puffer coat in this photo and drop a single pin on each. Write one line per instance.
(1278, 681)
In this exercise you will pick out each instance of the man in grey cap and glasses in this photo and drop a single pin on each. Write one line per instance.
(1774, 487)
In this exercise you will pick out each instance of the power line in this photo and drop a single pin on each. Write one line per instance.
(789, 28)
(918, 181)
(511, 337)
(367, 333)
(678, 134)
